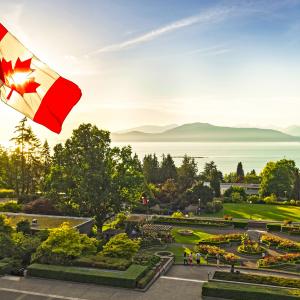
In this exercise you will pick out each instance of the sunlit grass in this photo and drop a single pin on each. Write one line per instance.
(260, 212)
(190, 239)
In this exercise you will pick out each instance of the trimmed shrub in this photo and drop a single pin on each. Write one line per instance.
(128, 278)
(102, 262)
(142, 283)
(253, 278)
(240, 224)
(247, 292)
(121, 246)
(273, 227)
(10, 206)
(23, 226)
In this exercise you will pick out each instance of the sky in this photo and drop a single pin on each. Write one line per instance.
(233, 63)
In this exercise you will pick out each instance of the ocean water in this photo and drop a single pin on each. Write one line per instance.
(253, 155)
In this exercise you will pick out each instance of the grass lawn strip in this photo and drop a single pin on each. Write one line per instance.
(189, 239)
(259, 212)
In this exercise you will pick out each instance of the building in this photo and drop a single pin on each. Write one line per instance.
(250, 188)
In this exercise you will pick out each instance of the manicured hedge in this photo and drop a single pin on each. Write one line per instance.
(253, 278)
(128, 278)
(273, 227)
(102, 262)
(142, 283)
(239, 224)
(247, 292)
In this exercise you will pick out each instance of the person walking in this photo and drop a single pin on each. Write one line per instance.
(218, 260)
(198, 258)
(191, 258)
(185, 259)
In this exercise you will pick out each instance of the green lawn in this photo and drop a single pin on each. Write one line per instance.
(260, 212)
(190, 239)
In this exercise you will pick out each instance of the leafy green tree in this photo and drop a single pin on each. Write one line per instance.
(97, 179)
(199, 191)
(168, 169)
(240, 172)
(278, 178)
(187, 173)
(121, 246)
(235, 189)
(212, 175)
(151, 168)
(177, 215)
(231, 177)
(252, 177)
(296, 191)
(63, 245)
(168, 192)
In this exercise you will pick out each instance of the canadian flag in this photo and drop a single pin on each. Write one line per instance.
(31, 87)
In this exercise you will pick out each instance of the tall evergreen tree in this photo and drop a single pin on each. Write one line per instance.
(187, 173)
(168, 168)
(240, 172)
(212, 175)
(151, 168)
(296, 191)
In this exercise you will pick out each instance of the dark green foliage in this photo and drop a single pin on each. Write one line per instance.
(142, 283)
(187, 173)
(233, 190)
(128, 278)
(240, 172)
(151, 169)
(23, 226)
(247, 292)
(212, 175)
(199, 191)
(146, 259)
(239, 224)
(168, 169)
(251, 278)
(273, 227)
(102, 262)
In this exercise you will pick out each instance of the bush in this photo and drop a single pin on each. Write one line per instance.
(270, 261)
(40, 206)
(7, 193)
(5, 225)
(23, 226)
(128, 278)
(273, 227)
(271, 199)
(254, 199)
(10, 206)
(236, 193)
(63, 245)
(145, 259)
(253, 278)
(213, 206)
(177, 215)
(102, 262)
(246, 292)
(121, 246)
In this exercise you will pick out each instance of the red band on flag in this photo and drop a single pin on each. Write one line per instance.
(3, 31)
(57, 103)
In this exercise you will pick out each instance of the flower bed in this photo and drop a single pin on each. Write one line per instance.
(222, 239)
(213, 251)
(249, 247)
(270, 261)
(280, 243)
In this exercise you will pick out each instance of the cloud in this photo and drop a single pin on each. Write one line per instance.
(206, 17)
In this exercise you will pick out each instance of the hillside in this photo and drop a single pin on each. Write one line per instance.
(292, 130)
(149, 128)
(204, 132)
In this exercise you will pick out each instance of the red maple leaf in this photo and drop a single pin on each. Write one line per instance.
(19, 78)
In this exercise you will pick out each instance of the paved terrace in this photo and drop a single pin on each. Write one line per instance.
(181, 282)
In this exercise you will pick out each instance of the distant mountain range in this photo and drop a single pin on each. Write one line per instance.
(203, 132)
(149, 128)
(292, 130)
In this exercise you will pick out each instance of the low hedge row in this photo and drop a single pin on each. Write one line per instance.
(102, 262)
(253, 278)
(128, 278)
(142, 283)
(247, 292)
(198, 222)
(273, 227)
